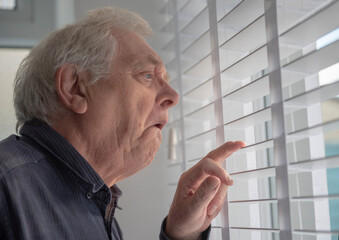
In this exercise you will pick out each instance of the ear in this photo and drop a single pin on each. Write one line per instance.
(71, 89)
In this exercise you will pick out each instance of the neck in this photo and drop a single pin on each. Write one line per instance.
(95, 151)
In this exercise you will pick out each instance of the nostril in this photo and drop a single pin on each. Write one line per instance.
(167, 103)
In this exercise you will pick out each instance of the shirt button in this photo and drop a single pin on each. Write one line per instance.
(89, 195)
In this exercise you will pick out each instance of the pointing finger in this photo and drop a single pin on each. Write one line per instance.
(225, 151)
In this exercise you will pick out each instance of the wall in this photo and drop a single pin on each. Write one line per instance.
(9, 62)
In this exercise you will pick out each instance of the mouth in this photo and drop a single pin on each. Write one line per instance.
(159, 125)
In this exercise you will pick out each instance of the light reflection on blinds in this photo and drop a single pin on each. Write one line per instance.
(308, 39)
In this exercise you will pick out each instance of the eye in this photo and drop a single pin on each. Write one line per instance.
(148, 76)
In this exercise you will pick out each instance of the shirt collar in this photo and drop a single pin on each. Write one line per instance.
(43, 135)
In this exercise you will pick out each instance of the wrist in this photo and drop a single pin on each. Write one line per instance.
(176, 233)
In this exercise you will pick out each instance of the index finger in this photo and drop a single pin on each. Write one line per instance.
(221, 153)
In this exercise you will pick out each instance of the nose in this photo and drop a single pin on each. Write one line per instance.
(167, 96)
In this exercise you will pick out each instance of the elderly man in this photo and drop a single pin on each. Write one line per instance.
(91, 101)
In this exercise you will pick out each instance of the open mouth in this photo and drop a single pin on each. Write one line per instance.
(160, 126)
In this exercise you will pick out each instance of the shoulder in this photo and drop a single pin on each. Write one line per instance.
(16, 153)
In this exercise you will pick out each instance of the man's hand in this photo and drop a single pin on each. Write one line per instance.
(200, 194)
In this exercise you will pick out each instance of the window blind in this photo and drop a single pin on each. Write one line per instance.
(265, 72)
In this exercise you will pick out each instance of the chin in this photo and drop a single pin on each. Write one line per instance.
(148, 160)
(149, 157)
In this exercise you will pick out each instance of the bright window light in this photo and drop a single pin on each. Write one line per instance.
(7, 4)
(329, 74)
(328, 39)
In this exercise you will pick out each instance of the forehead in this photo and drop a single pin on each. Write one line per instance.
(135, 51)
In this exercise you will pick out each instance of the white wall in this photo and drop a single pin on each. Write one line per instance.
(9, 62)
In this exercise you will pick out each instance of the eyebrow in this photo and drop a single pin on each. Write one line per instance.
(154, 61)
(149, 59)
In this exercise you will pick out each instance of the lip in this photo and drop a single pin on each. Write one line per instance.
(161, 124)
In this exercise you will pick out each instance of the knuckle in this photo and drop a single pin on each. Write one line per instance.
(182, 178)
(211, 153)
(206, 161)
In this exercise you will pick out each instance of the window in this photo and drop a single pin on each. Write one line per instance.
(266, 72)
(7, 4)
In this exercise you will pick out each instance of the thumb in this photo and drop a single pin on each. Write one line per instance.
(205, 193)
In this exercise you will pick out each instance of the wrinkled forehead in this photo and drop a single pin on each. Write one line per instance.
(150, 62)
(143, 60)
(135, 52)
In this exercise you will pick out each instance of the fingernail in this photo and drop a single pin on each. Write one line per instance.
(213, 185)
(229, 179)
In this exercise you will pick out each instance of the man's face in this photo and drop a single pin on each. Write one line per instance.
(129, 109)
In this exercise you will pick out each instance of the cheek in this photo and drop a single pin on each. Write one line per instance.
(146, 107)
(137, 106)
(141, 111)
(145, 101)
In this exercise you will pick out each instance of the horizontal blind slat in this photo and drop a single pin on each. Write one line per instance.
(315, 61)
(313, 96)
(255, 173)
(257, 146)
(313, 130)
(198, 25)
(260, 116)
(238, 18)
(314, 164)
(200, 113)
(239, 41)
(246, 67)
(198, 48)
(257, 229)
(313, 27)
(200, 134)
(254, 201)
(312, 198)
(250, 91)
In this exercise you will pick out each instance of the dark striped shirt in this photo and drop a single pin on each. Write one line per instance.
(49, 191)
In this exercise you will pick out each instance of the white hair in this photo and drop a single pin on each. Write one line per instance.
(89, 45)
